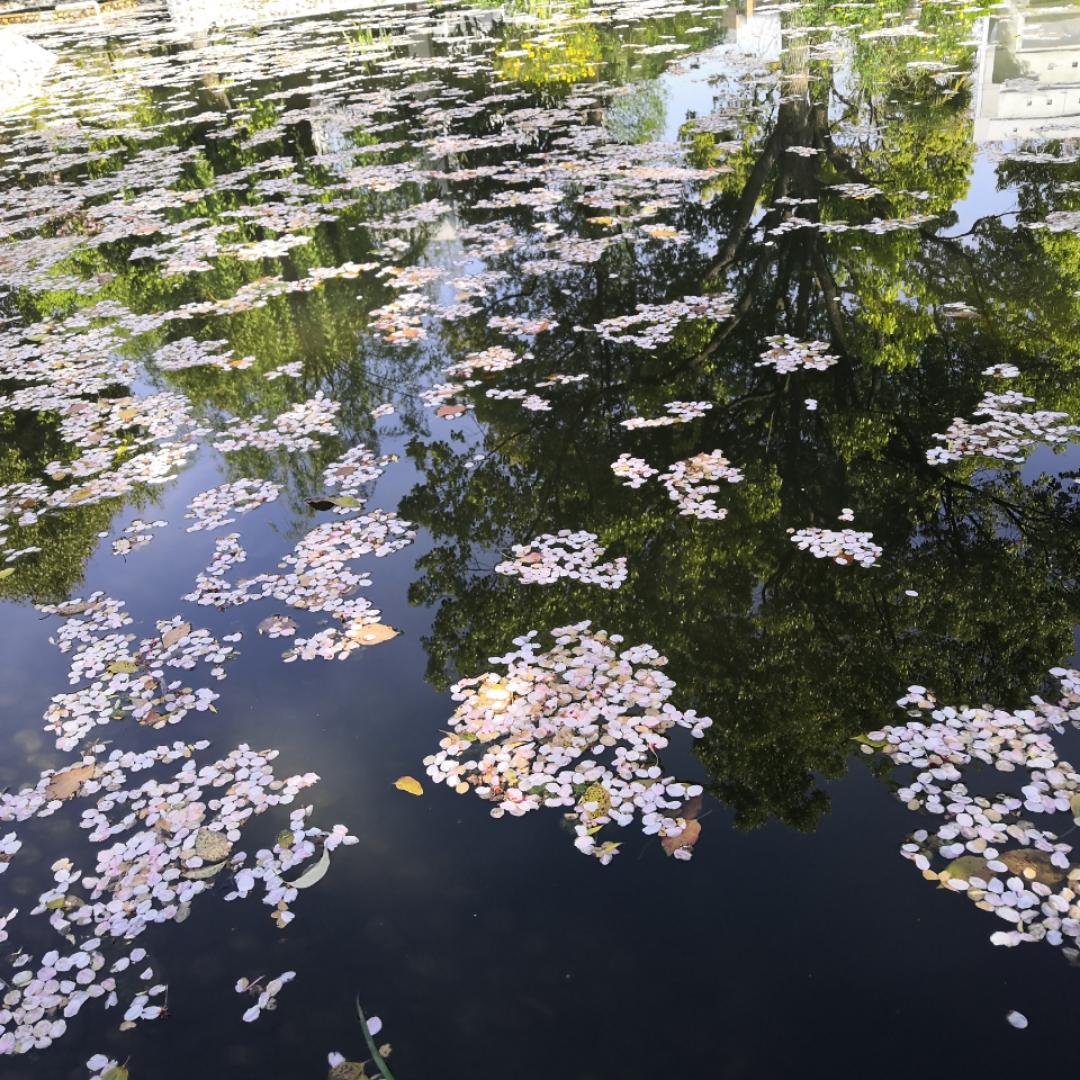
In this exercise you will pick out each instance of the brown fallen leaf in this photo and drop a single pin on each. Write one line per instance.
(281, 625)
(1032, 865)
(212, 846)
(449, 412)
(686, 839)
(348, 1070)
(690, 809)
(373, 634)
(175, 634)
(65, 784)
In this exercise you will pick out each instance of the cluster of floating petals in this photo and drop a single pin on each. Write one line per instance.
(633, 471)
(844, 546)
(161, 843)
(215, 508)
(1005, 852)
(655, 324)
(123, 676)
(678, 412)
(1009, 433)
(266, 993)
(494, 359)
(355, 469)
(316, 577)
(787, 354)
(136, 534)
(566, 554)
(689, 484)
(291, 430)
(187, 353)
(578, 727)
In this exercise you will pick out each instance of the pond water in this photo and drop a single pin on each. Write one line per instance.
(730, 352)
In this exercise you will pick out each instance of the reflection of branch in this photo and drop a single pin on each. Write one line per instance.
(748, 201)
(1012, 511)
(831, 294)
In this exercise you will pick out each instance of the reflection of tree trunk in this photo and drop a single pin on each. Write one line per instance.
(831, 294)
(748, 201)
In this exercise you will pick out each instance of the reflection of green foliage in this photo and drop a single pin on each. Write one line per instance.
(570, 57)
(66, 541)
(791, 656)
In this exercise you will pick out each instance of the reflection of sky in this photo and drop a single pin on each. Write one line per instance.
(686, 90)
(983, 197)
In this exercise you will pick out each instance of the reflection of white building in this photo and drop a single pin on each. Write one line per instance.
(193, 16)
(1028, 73)
(757, 33)
(23, 67)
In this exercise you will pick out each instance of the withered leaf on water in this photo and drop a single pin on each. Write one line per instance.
(122, 667)
(449, 412)
(686, 839)
(1032, 865)
(277, 624)
(175, 634)
(409, 784)
(65, 784)
(690, 809)
(373, 634)
(212, 846)
(966, 867)
(348, 1070)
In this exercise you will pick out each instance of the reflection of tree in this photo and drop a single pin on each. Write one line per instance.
(323, 329)
(67, 542)
(790, 656)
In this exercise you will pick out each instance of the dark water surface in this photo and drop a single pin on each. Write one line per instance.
(873, 212)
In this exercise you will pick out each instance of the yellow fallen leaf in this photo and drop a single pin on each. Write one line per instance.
(409, 784)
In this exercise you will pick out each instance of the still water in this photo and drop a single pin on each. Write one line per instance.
(726, 350)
